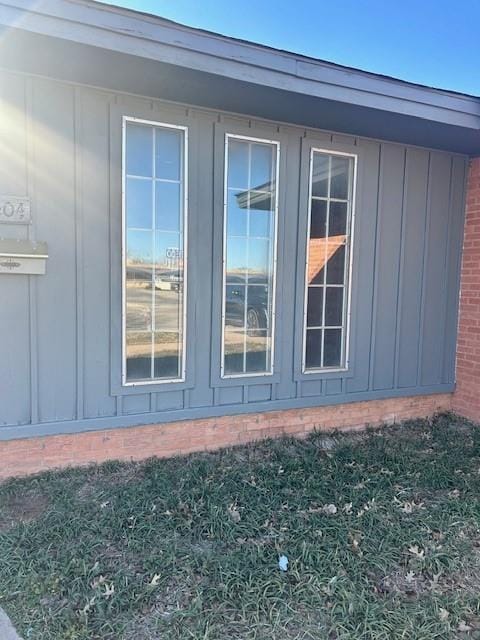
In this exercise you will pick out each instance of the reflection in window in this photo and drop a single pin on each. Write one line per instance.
(331, 194)
(249, 256)
(154, 270)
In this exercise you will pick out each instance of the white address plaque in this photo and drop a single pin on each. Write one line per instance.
(15, 210)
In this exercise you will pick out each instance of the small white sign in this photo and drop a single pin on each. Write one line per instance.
(15, 210)
(173, 252)
(23, 256)
(22, 266)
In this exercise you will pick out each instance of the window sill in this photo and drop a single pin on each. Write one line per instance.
(324, 374)
(155, 386)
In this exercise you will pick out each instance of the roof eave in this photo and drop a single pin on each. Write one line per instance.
(134, 33)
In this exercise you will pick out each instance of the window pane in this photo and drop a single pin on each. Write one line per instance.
(261, 200)
(333, 306)
(339, 177)
(167, 206)
(138, 282)
(249, 257)
(139, 150)
(234, 351)
(327, 265)
(139, 273)
(257, 307)
(318, 223)
(235, 309)
(236, 257)
(336, 264)
(238, 162)
(315, 307)
(139, 203)
(316, 260)
(261, 167)
(166, 349)
(332, 347)
(337, 220)
(154, 265)
(139, 250)
(139, 355)
(168, 145)
(168, 252)
(259, 258)
(314, 349)
(168, 305)
(258, 352)
(237, 213)
(139, 305)
(260, 223)
(320, 175)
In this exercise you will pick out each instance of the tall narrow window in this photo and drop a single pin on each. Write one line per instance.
(249, 255)
(327, 268)
(154, 182)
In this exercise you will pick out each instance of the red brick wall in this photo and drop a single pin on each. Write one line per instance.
(24, 456)
(466, 399)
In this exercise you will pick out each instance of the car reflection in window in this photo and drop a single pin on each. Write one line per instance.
(249, 256)
(247, 306)
(169, 280)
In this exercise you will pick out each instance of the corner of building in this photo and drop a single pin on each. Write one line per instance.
(466, 399)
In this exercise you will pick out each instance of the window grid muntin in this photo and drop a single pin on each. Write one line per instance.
(347, 262)
(183, 230)
(270, 328)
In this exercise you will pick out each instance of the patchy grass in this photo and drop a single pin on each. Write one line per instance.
(382, 534)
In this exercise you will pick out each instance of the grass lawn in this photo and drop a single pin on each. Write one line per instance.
(381, 530)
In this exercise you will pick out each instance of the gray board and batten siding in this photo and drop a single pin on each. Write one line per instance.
(60, 334)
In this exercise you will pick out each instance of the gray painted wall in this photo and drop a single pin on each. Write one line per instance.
(60, 333)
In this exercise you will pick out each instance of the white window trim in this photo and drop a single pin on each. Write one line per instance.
(154, 381)
(345, 356)
(253, 374)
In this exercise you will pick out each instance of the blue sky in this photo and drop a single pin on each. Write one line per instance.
(433, 42)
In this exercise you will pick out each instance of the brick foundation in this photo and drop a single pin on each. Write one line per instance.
(466, 400)
(29, 455)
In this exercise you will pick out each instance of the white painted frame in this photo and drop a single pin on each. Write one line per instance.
(160, 125)
(346, 312)
(276, 143)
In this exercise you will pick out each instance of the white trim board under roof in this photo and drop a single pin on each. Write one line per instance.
(157, 40)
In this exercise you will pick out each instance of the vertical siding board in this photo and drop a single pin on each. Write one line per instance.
(201, 235)
(333, 386)
(364, 266)
(231, 395)
(14, 316)
(454, 253)
(32, 284)
(217, 256)
(259, 392)
(434, 283)
(340, 138)
(13, 168)
(115, 240)
(311, 388)
(55, 214)
(410, 294)
(94, 255)
(289, 207)
(79, 263)
(168, 400)
(136, 404)
(387, 266)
